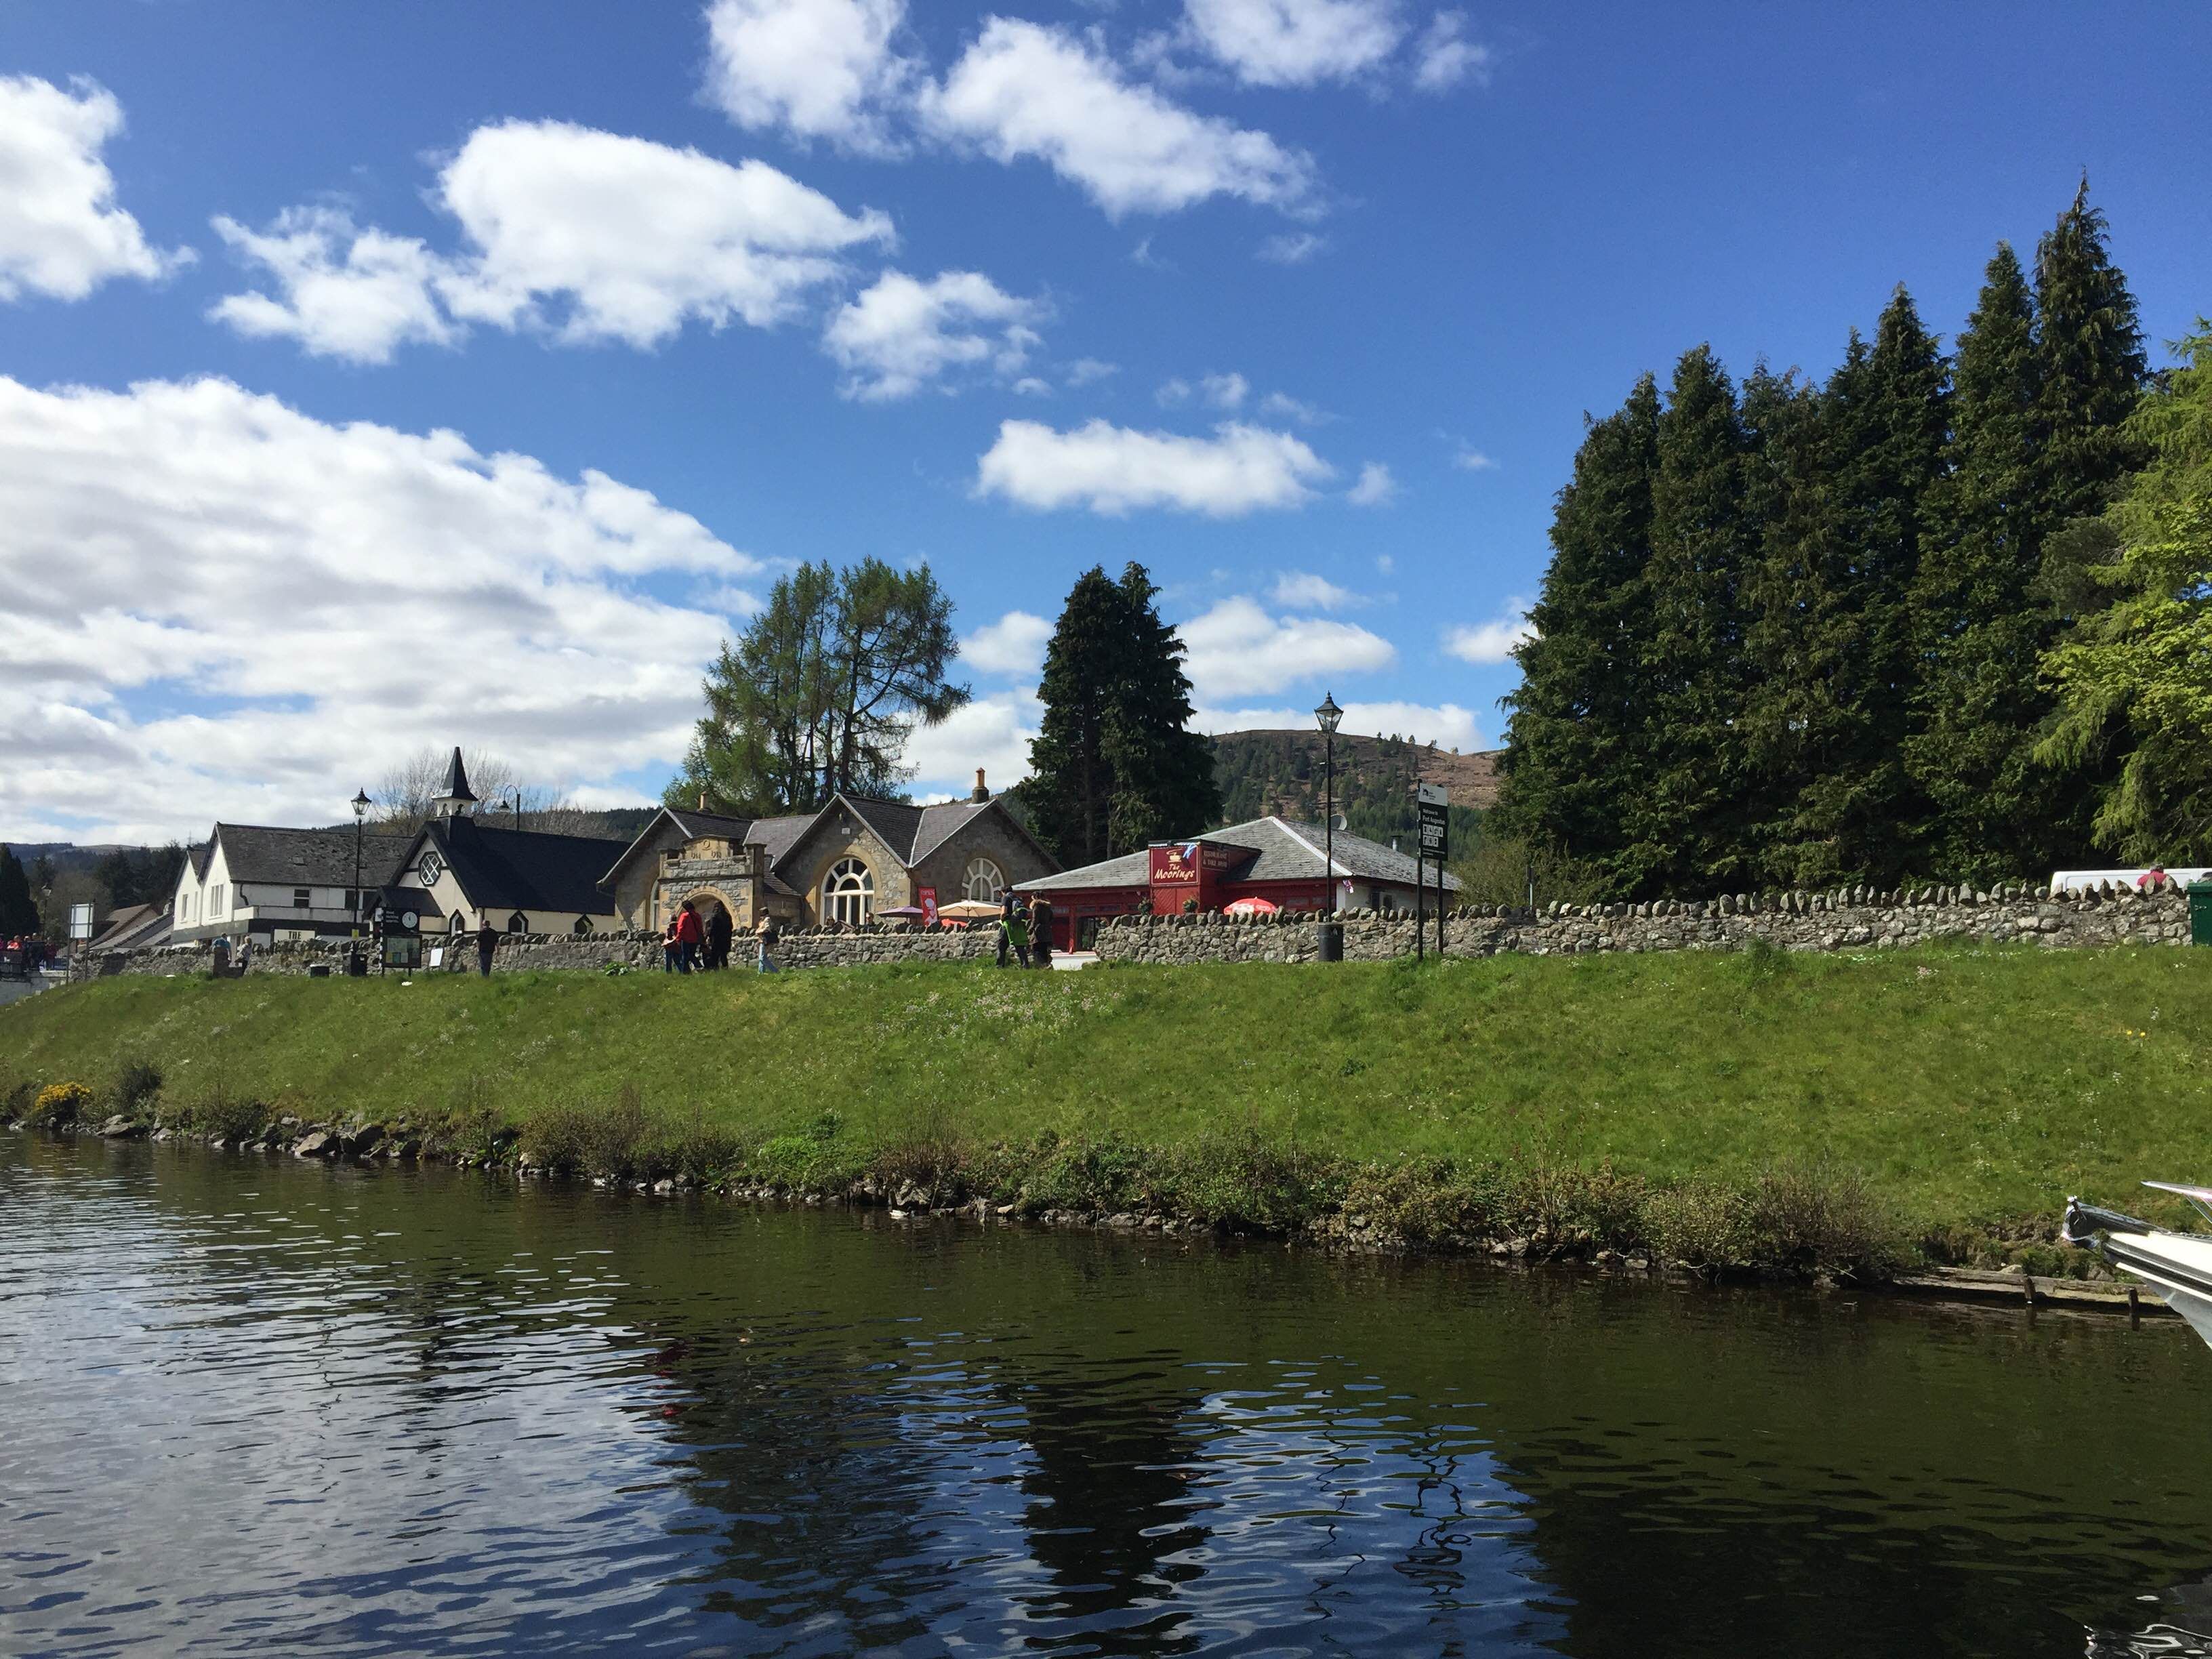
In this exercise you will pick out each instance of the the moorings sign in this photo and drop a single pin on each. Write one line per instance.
(1186, 863)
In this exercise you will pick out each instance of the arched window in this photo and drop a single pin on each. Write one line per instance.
(460, 922)
(848, 892)
(518, 923)
(583, 926)
(984, 882)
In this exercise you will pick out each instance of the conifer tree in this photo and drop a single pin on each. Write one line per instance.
(19, 911)
(1115, 764)
(1577, 738)
(1687, 821)
(1981, 622)
(2092, 368)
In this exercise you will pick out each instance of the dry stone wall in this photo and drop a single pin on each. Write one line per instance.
(1848, 920)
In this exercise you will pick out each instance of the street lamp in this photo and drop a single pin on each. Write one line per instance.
(360, 812)
(1327, 716)
(513, 808)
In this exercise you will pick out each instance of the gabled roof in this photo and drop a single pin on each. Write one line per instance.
(121, 925)
(198, 855)
(525, 869)
(1282, 850)
(305, 858)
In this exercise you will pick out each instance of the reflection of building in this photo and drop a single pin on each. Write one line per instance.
(852, 861)
(271, 883)
(1271, 858)
(522, 881)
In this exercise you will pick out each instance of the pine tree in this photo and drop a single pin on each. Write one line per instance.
(1982, 623)
(19, 911)
(1577, 738)
(1115, 764)
(2092, 368)
(1687, 819)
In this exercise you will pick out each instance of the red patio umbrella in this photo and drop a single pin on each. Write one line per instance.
(1250, 907)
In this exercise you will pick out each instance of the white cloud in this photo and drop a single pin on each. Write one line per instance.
(1173, 393)
(1447, 725)
(1237, 649)
(346, 292)
(815, 69)
(1013, 647)
(1301, 590)
(1083, 371)
(1376, 487)
(1033, 385)
(220, 605)
(1385, 563)
(992, 731)
(1114, 470)
(1492, 641)
(1444, 57)
(1224, 391)
(1474, 460)
(1026, 91)
(591, 235)
(1292, 248)
(61, 234)
(1294, 43)
(902, 335)
(1283, 405)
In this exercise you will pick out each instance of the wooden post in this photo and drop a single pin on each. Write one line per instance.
(2134, 1309)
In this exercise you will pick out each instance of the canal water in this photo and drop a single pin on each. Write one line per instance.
(259, 1406)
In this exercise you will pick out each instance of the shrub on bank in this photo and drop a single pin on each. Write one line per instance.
(62, 1106)
(136, 1086)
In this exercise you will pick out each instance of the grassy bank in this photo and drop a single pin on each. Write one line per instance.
(1825, 1112)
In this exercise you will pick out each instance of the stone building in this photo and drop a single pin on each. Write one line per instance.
(855, 860)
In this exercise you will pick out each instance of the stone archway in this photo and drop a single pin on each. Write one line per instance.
(707, 902)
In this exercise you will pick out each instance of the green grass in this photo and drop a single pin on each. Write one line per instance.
(1967, 1088)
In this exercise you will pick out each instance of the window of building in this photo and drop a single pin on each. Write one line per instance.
(518, 923)
(984, 882)
(583, 926)
(460, 922)
(848, 892)
(215, 900)
(302, 898)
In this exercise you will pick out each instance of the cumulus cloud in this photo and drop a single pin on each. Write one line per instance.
(220, 605)
(1446, 724)
(1013, 647)
(1444, 57)
(1294, 43)
(1283, 406)
(61, 234)
(1026, 91)
(1492, 641)
(1114, 470)
(1473, 460)
(1376, 486)
(993, 731)
(1237, 649)
(814, 68)
(348, 292)
(1083, 371)
(900, 334)
(588, 236)
(1216, 390)
(1301, 590)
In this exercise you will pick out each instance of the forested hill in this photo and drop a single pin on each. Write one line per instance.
(1282, 772)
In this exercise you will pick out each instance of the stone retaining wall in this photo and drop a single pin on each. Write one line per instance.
(1847, 920)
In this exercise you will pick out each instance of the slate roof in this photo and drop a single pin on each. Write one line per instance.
(307, 858)
(121, 925)
(1281, 851)
(198, 855)
(526, 869)
(911, 832)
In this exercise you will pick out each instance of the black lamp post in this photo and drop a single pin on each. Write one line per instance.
(1327, 716)
(360, 811)
(513, 808)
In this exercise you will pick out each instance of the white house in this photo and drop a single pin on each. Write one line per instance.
(269, 883)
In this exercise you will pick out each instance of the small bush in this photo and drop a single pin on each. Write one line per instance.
(17, 1096)
(589, 1140)
(1257, 1179)
(135, 1085)
(62, 1106)
(689, 1151)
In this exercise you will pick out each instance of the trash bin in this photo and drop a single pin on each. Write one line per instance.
(356, 963)
(319, 970)
(2200, 913)
(1332, 941)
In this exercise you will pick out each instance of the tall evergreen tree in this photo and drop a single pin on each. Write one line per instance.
(2093, 372)
(1981, 622)
(1687, 821)
(19, 911)
(1115, 764)
(1578, 738)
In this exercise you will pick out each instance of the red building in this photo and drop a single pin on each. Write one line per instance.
(1271, 858)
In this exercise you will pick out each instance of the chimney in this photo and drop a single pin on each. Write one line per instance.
(703, 800)
(983, 790)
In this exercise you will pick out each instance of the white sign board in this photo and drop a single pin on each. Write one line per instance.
(80, 922)
(437, 955)
(1431, 794)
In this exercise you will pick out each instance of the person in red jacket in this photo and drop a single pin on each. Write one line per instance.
(688, 935)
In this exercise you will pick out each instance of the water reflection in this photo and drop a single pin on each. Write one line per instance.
(277, 1406)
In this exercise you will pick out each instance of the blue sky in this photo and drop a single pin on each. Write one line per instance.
(1300, 302)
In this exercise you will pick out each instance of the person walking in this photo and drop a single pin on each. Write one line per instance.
(1041, 932)
(720, 931)
(1017, 933)
(688, 935)
(1005, 923)
(764, 937)
(487, 942)
(668, 947)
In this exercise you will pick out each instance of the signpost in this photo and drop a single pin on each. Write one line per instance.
(80, 922)
(1434, 801)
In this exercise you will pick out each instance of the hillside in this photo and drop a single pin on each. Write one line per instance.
(1282, 772)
